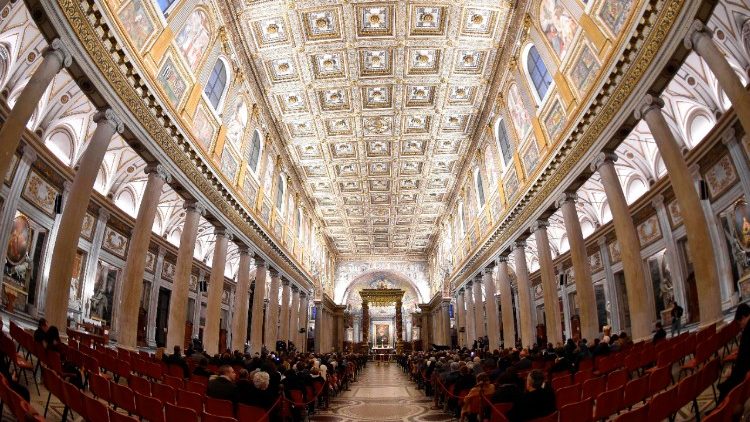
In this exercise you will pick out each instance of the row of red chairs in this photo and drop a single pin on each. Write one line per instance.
(19, 408)
(733, 406)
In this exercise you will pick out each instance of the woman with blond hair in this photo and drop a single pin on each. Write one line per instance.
(472, 407)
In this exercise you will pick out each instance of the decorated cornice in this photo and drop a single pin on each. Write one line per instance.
(95, 36)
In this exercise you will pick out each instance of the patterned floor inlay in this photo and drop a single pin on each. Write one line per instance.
(381, 393)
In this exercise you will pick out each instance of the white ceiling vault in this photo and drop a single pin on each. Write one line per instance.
(376, 102)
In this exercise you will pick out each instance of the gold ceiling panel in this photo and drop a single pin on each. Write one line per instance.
(377, 101)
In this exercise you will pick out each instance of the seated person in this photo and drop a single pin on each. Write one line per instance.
(52, 343)
(202, 370)
(465, 380)
(537, 401)
(41, 330)
(222, 386)
(176, 358)
(659, 333)
(473, 401)
(261, 395)
(742, 363)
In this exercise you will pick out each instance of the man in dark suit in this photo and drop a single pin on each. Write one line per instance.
(537, 401)
(222, 386)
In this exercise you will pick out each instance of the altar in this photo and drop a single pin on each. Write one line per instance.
(383, 341)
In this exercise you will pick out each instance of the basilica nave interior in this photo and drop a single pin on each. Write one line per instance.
(373, 177)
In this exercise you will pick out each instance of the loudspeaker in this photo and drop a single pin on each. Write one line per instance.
(58, 204)
(703, 190)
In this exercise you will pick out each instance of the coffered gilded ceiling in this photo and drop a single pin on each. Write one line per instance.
(377, 102)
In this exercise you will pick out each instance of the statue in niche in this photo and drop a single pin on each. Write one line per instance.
(666, 288)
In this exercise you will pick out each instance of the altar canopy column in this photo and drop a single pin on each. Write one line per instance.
(493, 332)
(461, 319)
(303, 321)
(506, 303)
(215, 291)
(63, 255)
(524, 294)
(581, 267)
(445, 307)
(641, 313)
(365, 322)
(55, 57)
(284, 315)
(259, 293)
(272, 312)
(698, 38)
(293, 318)
(10, 206)
(399, 323)
(239, 322)
(318, 326)
(479, 328)
(549, 283)
(135, 264)
(693, 217)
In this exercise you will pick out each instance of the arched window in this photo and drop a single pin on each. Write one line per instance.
(538, 73)
(216, 84)
(280, 190)
(253, 156)
(165, 5)
(479, 188)
(502, 139)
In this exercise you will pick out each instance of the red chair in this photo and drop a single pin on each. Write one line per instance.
(703, 352)
(219, 407)
(164, 393)
(96, 411)
(663, 405)
(581, 376)
(687, 392)
(175, 371)
(139, 385)
(593, 387)
(581, 411)
(53, 383)
(561, 381)
(608, 403)
(659, 380)
(635, 391)
(247, 413)
(123, 397)
(149, 408)
(195, 387)
(177, 413)
(199, 379)
(209, 417)
(708, 375)
(8, 347)
(73, 398)
(617, 379)
(174, 382)
(567, 395)
(190, 400)
(721, 413)
(115, 416)
(632, 361)
(552, 417)
(636, 415)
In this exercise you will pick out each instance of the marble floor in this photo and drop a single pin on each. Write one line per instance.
(381, 393)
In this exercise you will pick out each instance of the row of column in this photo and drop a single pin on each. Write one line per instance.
(67, 234)
(693, 211)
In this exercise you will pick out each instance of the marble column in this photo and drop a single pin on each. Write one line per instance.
(319, 325)
(92, 263)
(55, 57)
(284, 314)
(471, 333)
(215, 291)
(135, 264)
(239, 321)
(613, 297)
(706, 274)
(196, 317)
(259, 293)
(461, 314)
(581, 267)
(493, 331)
(698, 38)
(549, 283)
(641, 314)
(563, 295)
(425, 328)
(303, 321)
(365, 322)
(399, 323)
(446, 323)
(183, 268)
(739, 159)
(294, 317)
(506, 302)
(41, 293)
(525, 306)
(480, 328)
(153, 298)
(63, 256)
(10, 206)
(675, 269)
(272, 314)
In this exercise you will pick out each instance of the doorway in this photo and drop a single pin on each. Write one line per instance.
(162, 315)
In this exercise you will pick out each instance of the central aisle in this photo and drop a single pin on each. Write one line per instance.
(381, 393)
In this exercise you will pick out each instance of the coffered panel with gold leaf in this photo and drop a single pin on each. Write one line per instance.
(377, 101)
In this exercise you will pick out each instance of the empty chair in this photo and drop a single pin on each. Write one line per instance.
(123, 397)
(561, 381)
(219, 407)
(139, 385)
(8, 347)
(73, 398)
(582, 376)
(209, 417)
(99, 387)
(567, 395)
(636, 415)
(164, 392)
(190, 400)
(659, 379)
(593, 386)
(178, 413)
(581, 411)
(149, 408)
(663, 405)
(720, 414)
(687, 392)
(247, 413)
(617, 378)
(96, 411)
(115, 416)
(635, 391)
(195, 387)
(54, 385)
(174, 382)
(608, 403)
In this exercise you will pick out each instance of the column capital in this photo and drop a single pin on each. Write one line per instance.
(461, 291)
(603, 158)
(29, 154)
(223, 232)
(519, 244)
(243, 249)
(648, 103)
(61, 51)
(695, 32)
(489, 268)
(565, 198)
(259, 262)
(159, 171)
(468, 285)
(302, 294)
(478, 278)
(601, 241)
(657, 201)
(108, 116)
(540, 224)
(103, 215)
(284, 282)
(729, 136)
(503, 258)
(295, 289)
(194, 206)
(273, 271)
